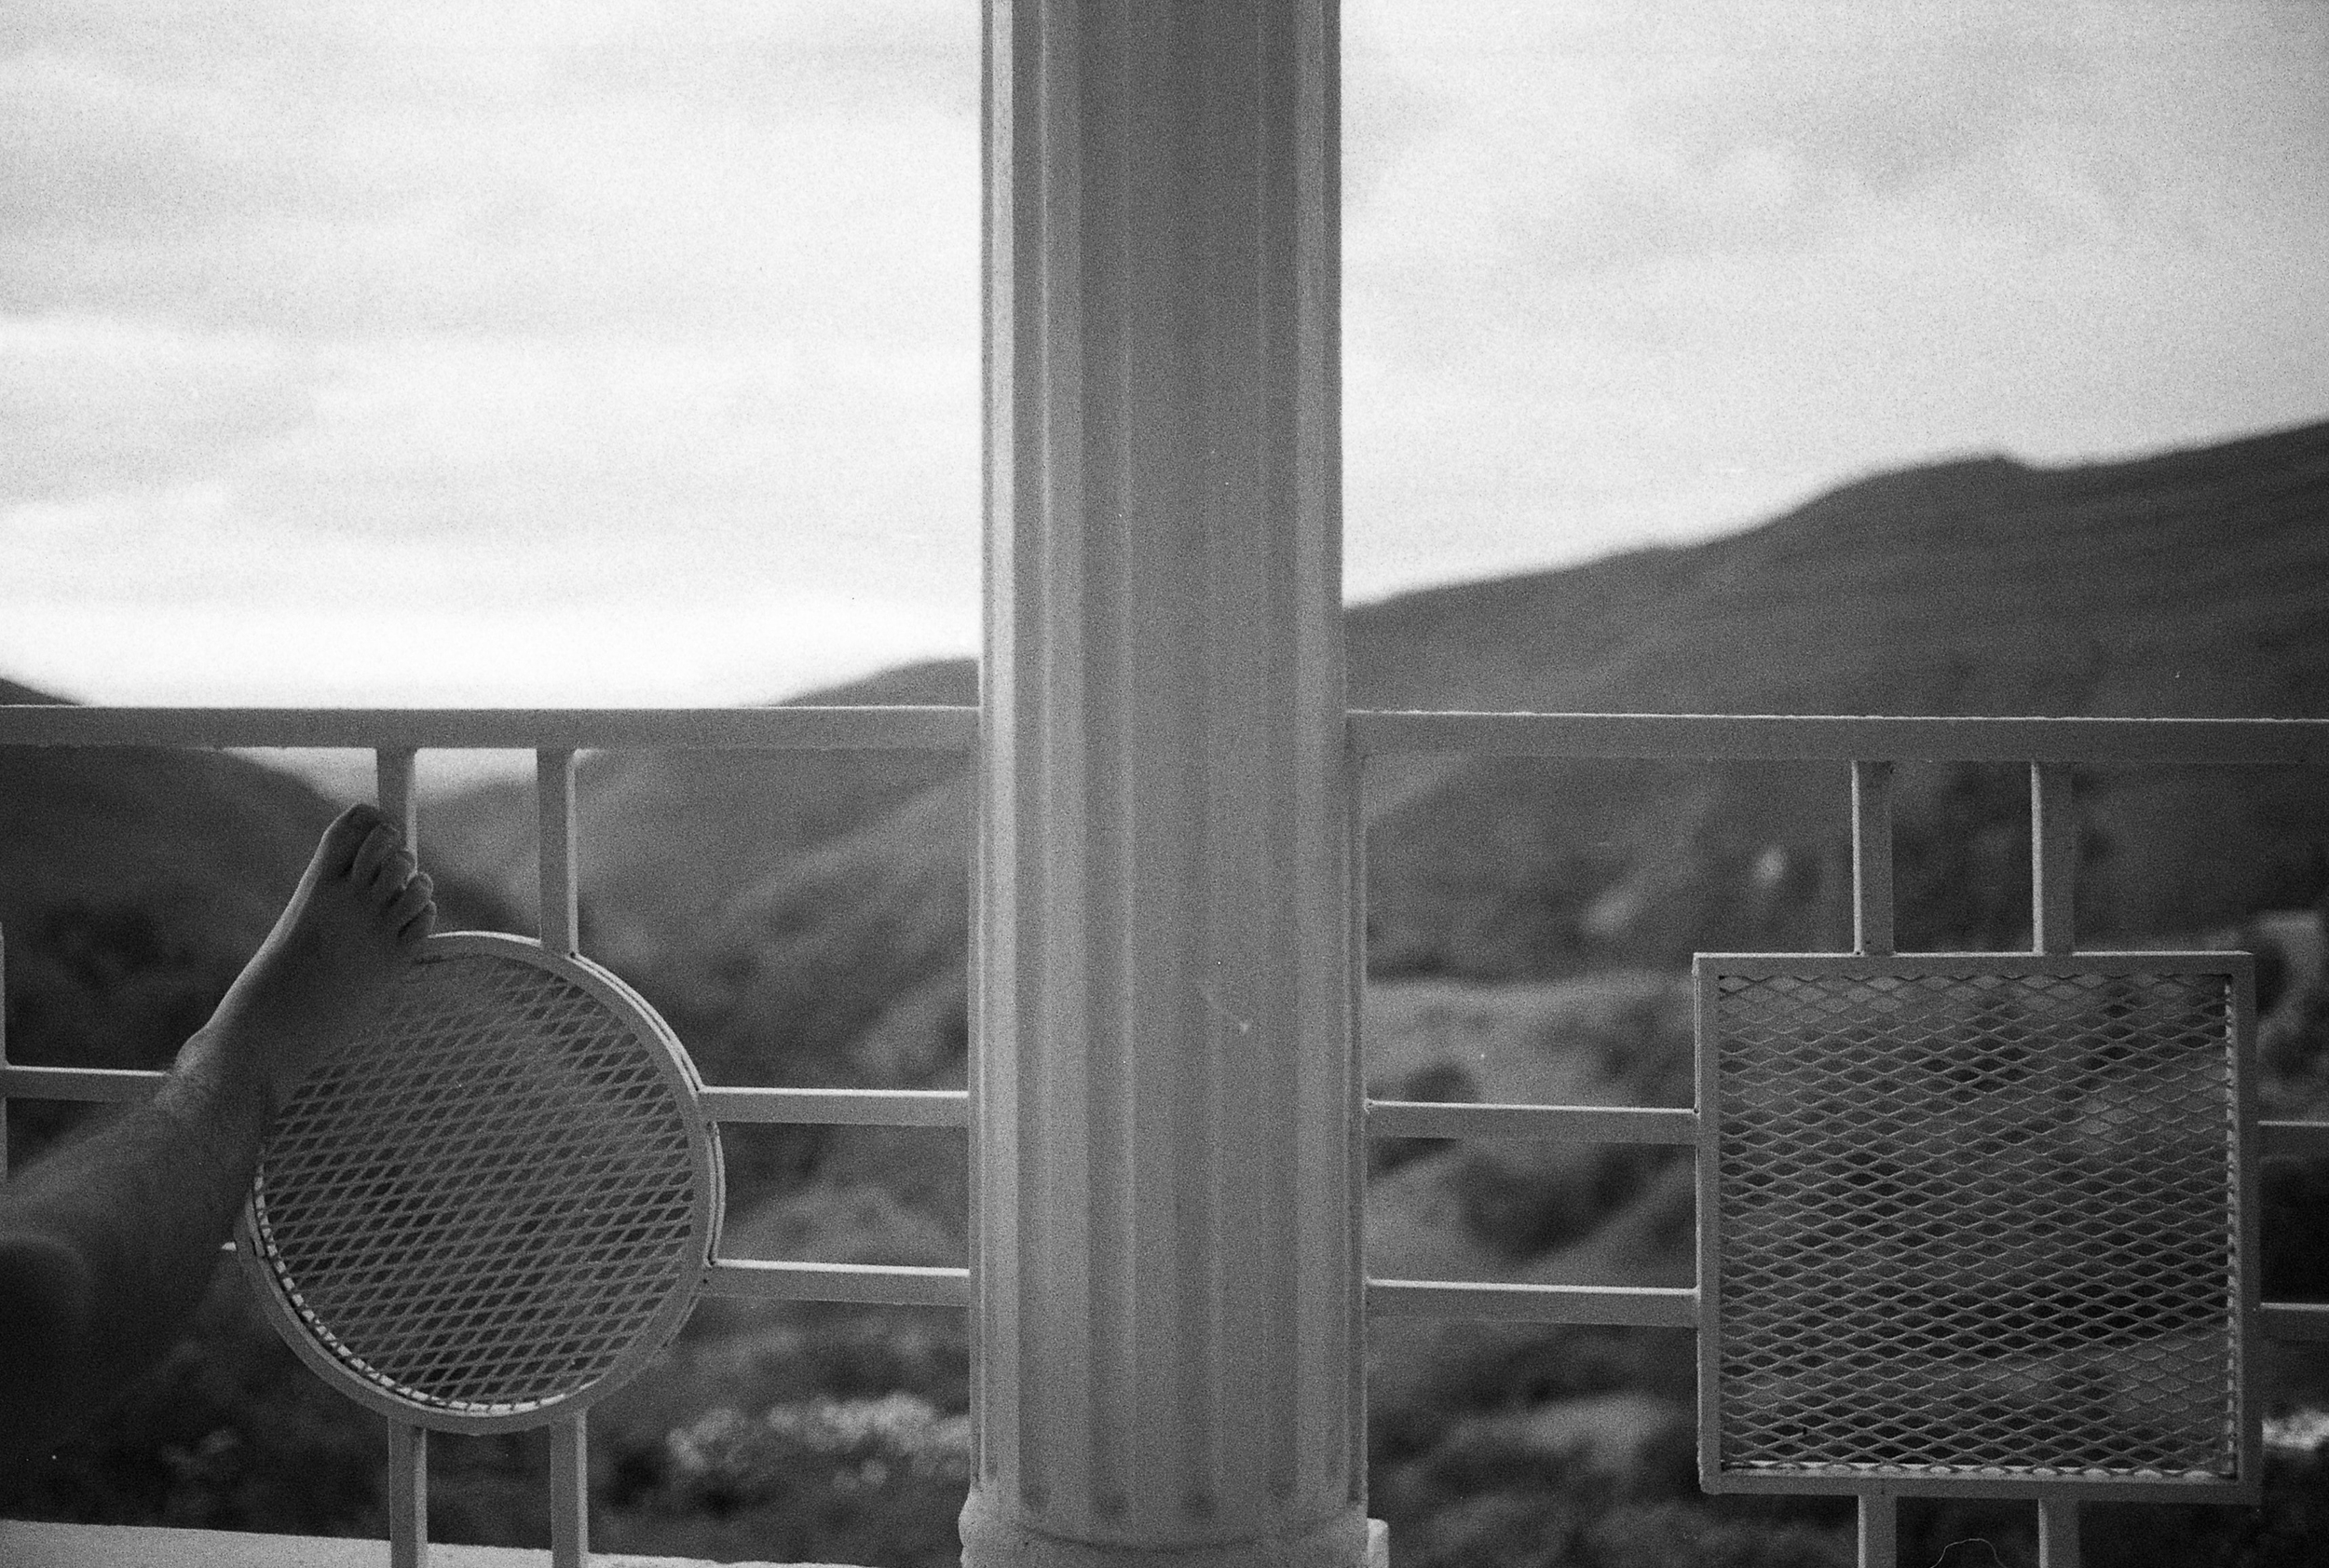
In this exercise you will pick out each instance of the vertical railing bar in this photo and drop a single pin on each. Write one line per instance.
(1355, 912)
(2058, 1531)
(395, 768)
(560, 925)
(408, 1496)
(1879, 1530)
(554, 780)
(4, 1054)
(570, 1492)
(2053, 857)
(1872, 858)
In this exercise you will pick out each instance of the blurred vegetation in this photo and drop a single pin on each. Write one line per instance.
(838, 1434)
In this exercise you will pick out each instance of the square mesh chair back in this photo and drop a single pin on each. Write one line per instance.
(1975, 1224)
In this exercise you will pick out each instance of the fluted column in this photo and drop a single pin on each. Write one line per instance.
(1167, 1307)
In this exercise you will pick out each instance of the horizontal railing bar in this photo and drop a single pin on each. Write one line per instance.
(107, 1084)
(1628, 1306)
(1774, 737)
(782, 729)
(880, 1108)
(1655, 1308)
(1595, 1123)
(868, 1108)
(1769, 737)
(2293, 1139)
(867, 1284)
(2293, 1320)
(950, 1108)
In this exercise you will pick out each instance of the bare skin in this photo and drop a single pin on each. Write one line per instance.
(107, 1246)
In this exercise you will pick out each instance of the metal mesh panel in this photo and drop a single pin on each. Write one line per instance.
(1974, 1224)
(482, 1203)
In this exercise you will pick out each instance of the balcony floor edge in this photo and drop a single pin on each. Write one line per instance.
(29, 1544)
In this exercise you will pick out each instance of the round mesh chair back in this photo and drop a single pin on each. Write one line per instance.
(494, 1205)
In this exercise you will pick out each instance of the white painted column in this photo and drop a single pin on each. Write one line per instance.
(1167, 1303)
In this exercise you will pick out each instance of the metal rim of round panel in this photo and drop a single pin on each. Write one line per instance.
(494, 1204)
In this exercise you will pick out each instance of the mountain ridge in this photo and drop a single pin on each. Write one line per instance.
(2176, 583)
(2179, 582)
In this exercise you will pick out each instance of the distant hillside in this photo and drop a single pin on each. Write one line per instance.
(103, 823)
(671, 837)
(2184, 584)
(2189, 584)
(135, 882)
(797, 903)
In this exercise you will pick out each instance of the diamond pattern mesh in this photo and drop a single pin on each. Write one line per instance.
(1976, 1224)
(481, 1203)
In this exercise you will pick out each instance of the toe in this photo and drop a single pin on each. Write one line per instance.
(417, 926)
(346, 838)
(396, 870)
(381, 842)
(417, 894)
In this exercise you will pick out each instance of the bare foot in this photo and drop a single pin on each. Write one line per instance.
(361, 909)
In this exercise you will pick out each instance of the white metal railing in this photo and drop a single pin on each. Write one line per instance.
(1870, 744)
(1797, 738)
(396, 735)
(401, 730)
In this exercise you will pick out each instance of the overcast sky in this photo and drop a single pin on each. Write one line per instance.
(607, 352)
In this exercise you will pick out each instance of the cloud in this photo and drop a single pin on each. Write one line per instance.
(91, 405)
(864, 60)
(463, 170)
(458, 52)
(1652, 275)
(1889, 99)
(551, 313)
(92, 150)
(757, 457)
(553, 469)
(1564, 143)
(507, 310)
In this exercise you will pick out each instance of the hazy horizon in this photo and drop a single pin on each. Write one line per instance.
(516, 762)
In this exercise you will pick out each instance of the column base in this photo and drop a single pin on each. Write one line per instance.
(1350, 1542)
